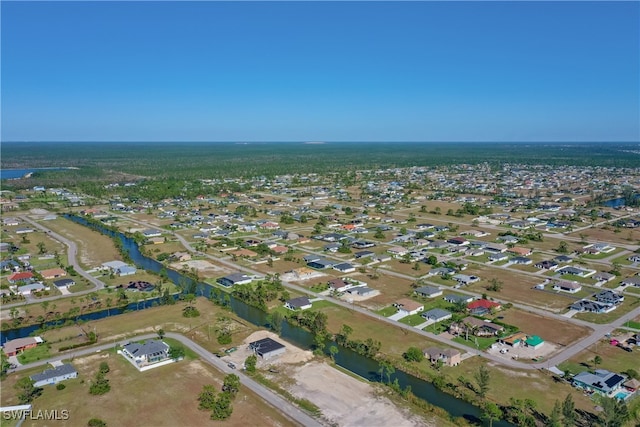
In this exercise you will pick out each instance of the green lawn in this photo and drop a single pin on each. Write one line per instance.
(600, 255)
(188, 353)
(321, 304)
(437, 328)
(34, 354)
(412, 320)
(482, 343)
(632, 324)
(387, 311)
(82, 284)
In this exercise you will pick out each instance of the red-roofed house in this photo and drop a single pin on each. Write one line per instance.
(17, 277)
(482, 306)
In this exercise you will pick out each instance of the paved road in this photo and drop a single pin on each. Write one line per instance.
(599, 331)
(282, 405)
(72, 254)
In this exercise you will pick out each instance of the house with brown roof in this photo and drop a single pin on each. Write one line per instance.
(566, 286)
(520, 251)
(53, 273)
(339, 285)
(244, 253)
(18, 345)
(407, 306)
(475, 326)
(515, 340)
(448, 356)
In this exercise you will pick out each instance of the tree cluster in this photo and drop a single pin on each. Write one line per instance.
(220, 403)
(101, 384)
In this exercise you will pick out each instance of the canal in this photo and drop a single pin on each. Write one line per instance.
(346, 358)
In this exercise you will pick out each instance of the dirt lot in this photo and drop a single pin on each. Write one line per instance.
(293, 354)
(551, 330)
(348, 402)
(200, 265)
(522, 352)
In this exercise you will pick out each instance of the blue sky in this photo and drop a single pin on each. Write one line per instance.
(328, 71)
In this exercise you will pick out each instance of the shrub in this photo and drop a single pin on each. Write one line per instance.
(224, 338)
(60, 386)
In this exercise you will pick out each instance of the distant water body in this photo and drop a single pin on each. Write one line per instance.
(20, 173)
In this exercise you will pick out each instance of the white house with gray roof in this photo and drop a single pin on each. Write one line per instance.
(146, 352)
(55, 375)
(436, 315)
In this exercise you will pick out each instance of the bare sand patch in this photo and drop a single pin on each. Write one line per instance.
(200, 265)
(347, 402)
(293, 355)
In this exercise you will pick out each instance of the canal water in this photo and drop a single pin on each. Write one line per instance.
(346, 358)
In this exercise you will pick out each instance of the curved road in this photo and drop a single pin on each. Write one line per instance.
(279, 403)
(599, 331)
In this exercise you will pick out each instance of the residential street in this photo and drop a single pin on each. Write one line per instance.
(269, 396)
(599, 331)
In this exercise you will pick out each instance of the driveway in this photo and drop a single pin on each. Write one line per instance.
(399, 315)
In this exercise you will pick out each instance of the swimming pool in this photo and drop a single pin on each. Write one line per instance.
(622, 395)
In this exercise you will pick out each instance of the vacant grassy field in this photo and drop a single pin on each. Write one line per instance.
(165, 396)
(33, 240)
(518, 288)
(391, 289)
(94, 248)
(395, 340)
(540, 386)
(168, 317)
(169, 247)
(557, 331)
(625, 236)
(613, 358)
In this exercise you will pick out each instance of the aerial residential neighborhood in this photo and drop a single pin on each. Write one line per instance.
(521, 306)
(320, 214)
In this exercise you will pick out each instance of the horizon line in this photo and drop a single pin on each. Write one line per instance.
(317, 142)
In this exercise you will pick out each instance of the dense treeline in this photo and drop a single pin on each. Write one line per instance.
(128, 161)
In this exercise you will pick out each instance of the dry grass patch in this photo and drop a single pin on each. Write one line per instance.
(556, 331)
(391, 289)
(509, 382)
(165, 396)
(601, 235)
(94, 248)
(394, 339)
(519, 288)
